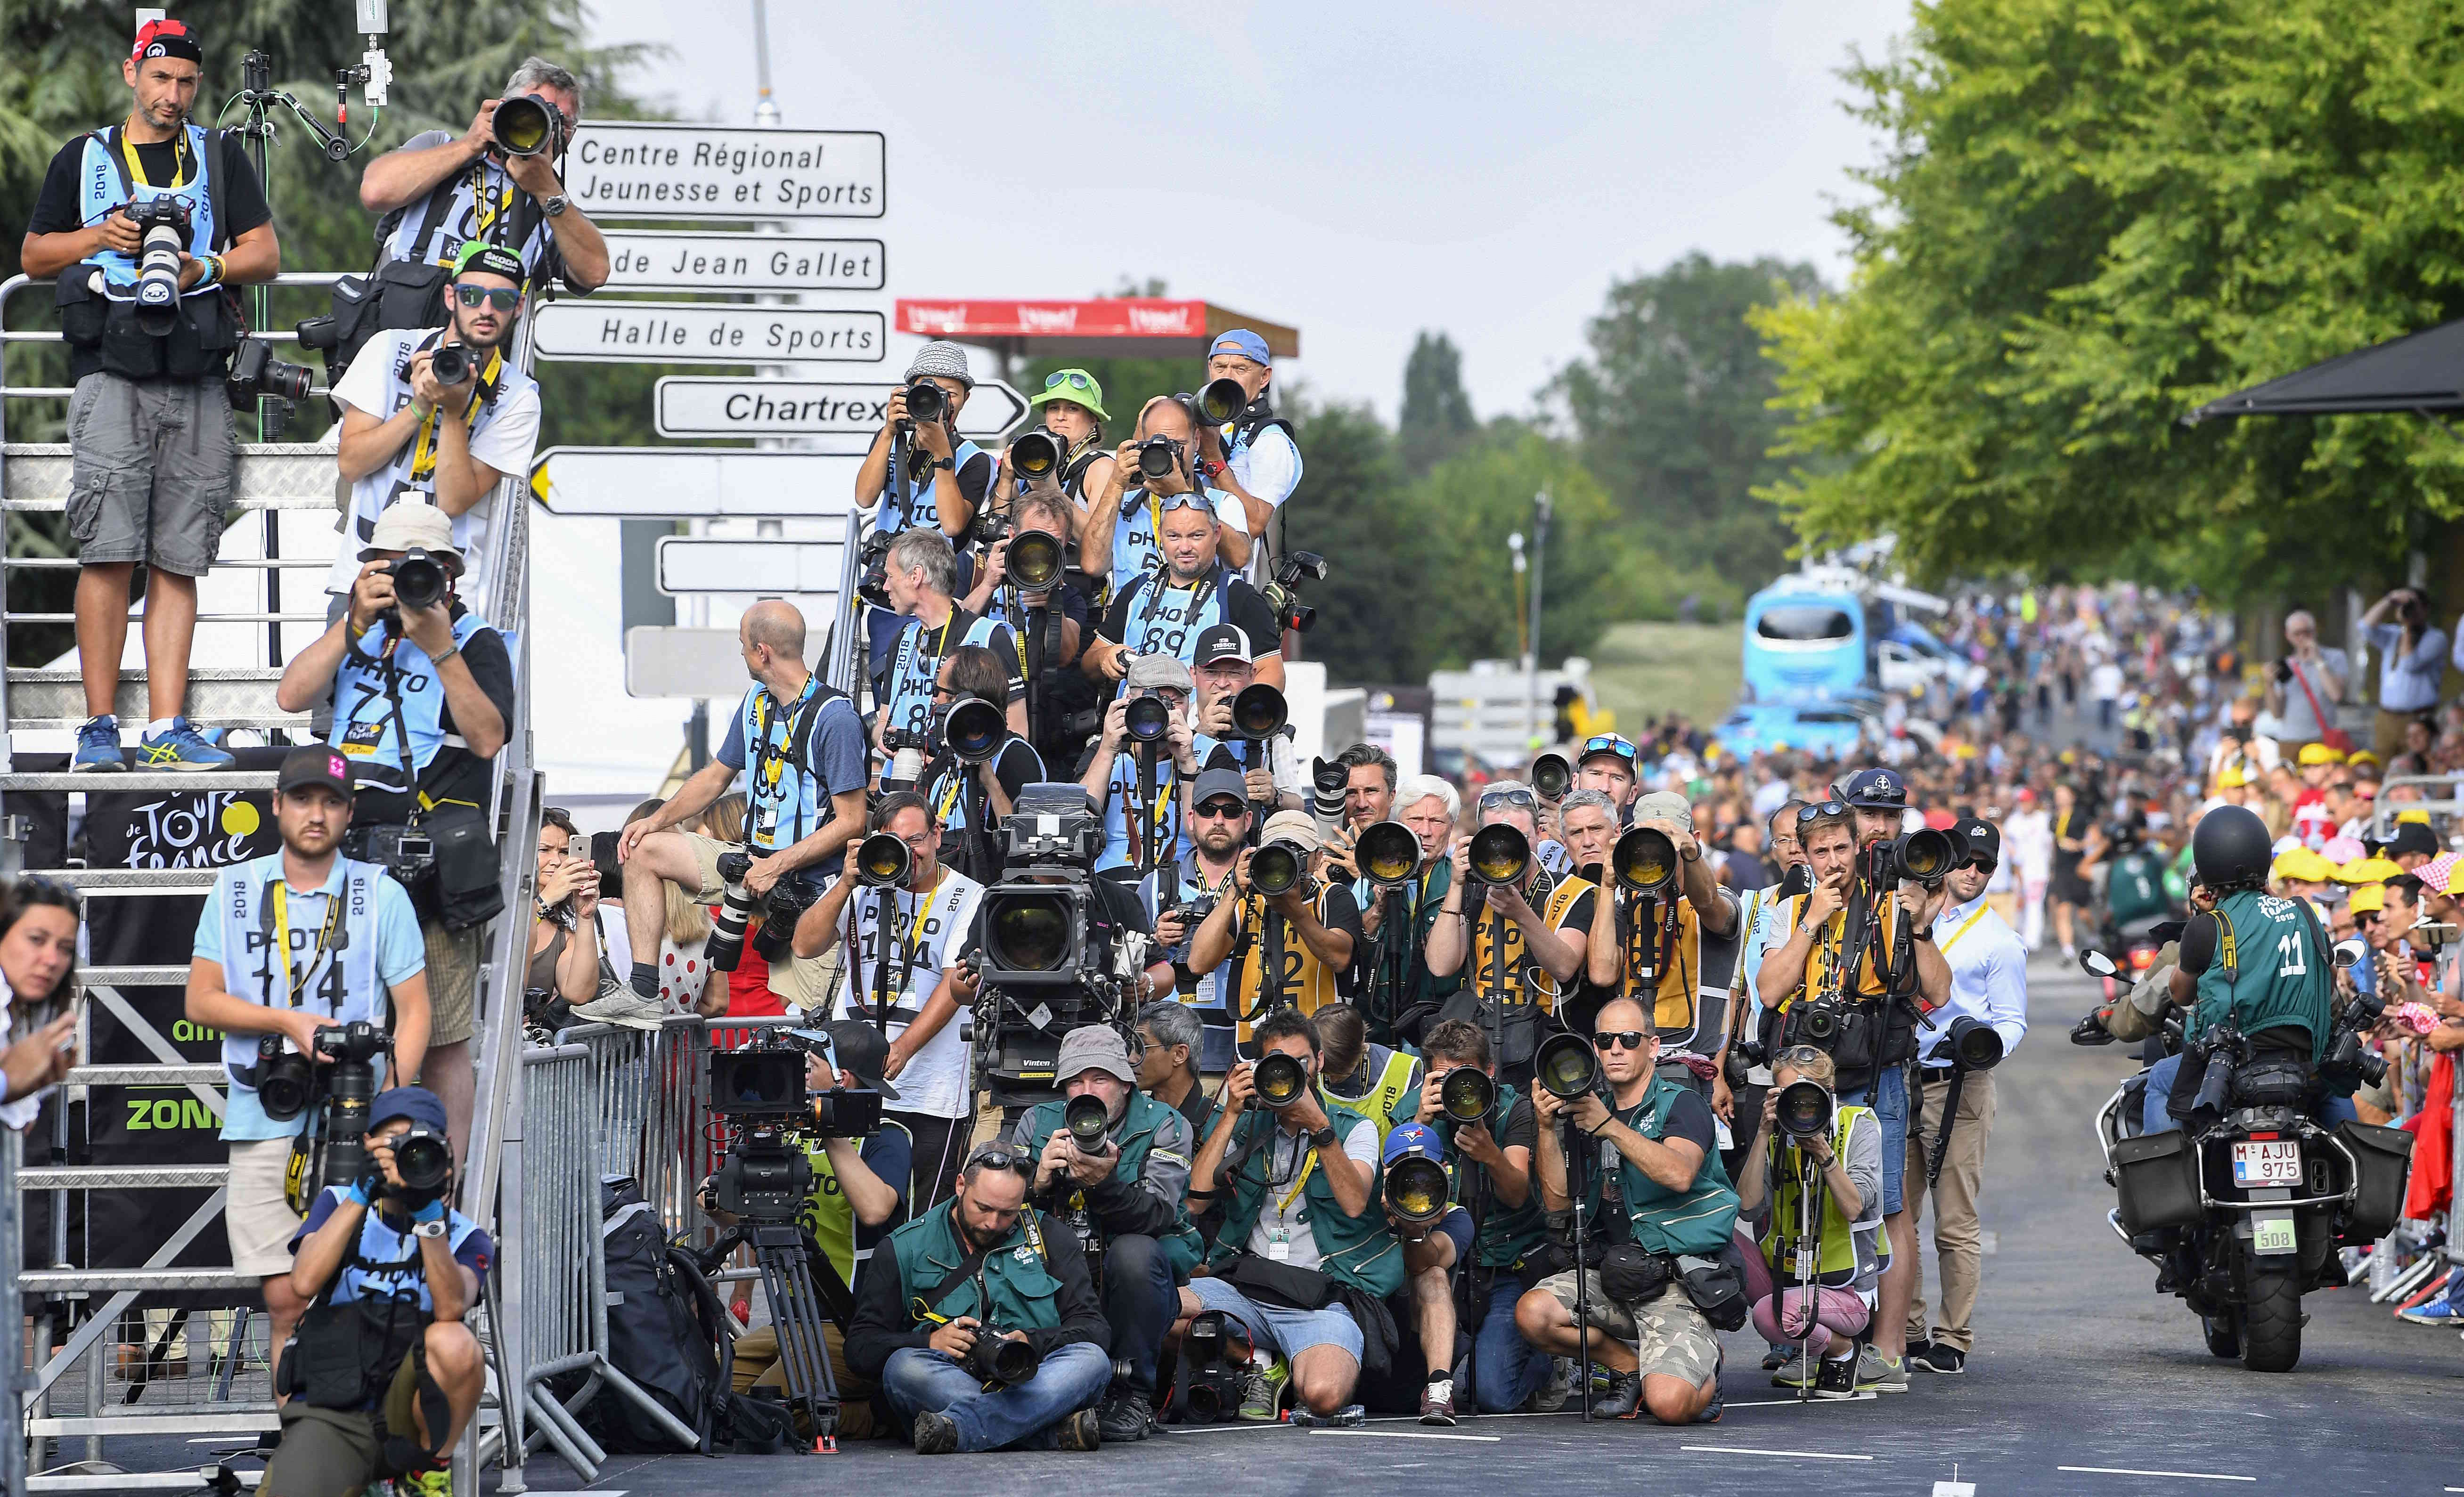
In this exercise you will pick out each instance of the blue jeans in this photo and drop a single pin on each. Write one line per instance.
(1276, 1330)
(1505, 1368)
(918, 1380)
(1888, 1097)
(1140, 1301)
(2153, 1118)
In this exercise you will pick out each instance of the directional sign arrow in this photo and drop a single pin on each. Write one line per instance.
(845, 415)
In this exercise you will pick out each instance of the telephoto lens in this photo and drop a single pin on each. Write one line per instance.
(1974, 1044)
(418, 580)
(1158, 457)
(1416, 1190)
(1035, 561)
(976, 730)
(1466, 1095)
(1926, 856)
(1275, 869)
(1551, 777)
(1147, 717)
(1259, 711)
(1387, 854)
(1087, 1120)
(523, 126)
(735, 903)
(1566, 1065)
(882, 861)
(163, 229)
(1280, 1080)
(1221, 401)
(451, 364)
(1644, 860)
(1039, 452)
(1500, 854)
(995, 1359)
(927, 400)
(1804, 1109)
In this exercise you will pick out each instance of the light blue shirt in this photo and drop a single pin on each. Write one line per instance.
(2409, 683)
(1989, 979)
(400, 956)
(1765, 928)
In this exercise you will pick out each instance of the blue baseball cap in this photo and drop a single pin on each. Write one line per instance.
(416, 1102)
(1245, 343)
(1414, 1138)
(1875, 790)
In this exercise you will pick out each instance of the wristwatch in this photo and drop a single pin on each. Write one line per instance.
(555, 205)
(435, 1228)
(942, 463)
(1323, 1139)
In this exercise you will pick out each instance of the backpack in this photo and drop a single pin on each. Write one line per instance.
(665, 1330)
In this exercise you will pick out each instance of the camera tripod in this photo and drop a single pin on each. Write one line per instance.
(784, 1255)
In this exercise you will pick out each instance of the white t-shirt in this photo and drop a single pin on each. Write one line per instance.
(504, 438)
(1285, 1222)
(1269, 467)
(932, 927)
(2030, 835)
(2105, 681)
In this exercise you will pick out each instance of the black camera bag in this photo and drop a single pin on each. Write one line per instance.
(344, 1356)
(1717, 1287)
(1632, 1276)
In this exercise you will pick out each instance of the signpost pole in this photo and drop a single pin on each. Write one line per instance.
(1531, 662)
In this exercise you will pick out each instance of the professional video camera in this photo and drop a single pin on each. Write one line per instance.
(1283, 594)
(759, 1089)
(163, 236)
(288, 1082)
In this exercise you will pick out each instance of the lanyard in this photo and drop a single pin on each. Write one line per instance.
(183, 166)
(887, 930)
(487, 208)
(282, 939)
(1158, 824)
(1965, 926)
(1162, 582)
(422, 450)
(913, 640)
(768, 764)
(1308, 1162)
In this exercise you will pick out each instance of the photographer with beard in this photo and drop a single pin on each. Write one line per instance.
(1194, 888)
(1254, 457)
(1678, 966)
(1125, 519)
(1739, 1085)
(1164, 611)
(1279, 952)
(408, 434)
(1052, 627)
(920, 575)
(1521, 962)
(1138, 788)
(971, 800)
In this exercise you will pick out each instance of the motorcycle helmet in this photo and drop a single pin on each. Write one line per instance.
(2129, 828)
(2230, 848)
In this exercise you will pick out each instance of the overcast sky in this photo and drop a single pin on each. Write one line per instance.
(1361, 169)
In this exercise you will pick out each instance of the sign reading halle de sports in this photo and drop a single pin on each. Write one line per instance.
(634, 169)
(703, 332)
(655, 259)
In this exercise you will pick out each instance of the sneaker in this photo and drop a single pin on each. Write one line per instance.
(1778, 1357)
(1082, 1431)
(1837, 1379)
(98, 746)
(2437, 1313)
(1917, 1347)
(438, 1482)
(1938, 1357)
(1622, 1399)
(1551, 1395)
(1126, 1419)
(1264, 1394)
(622, 1007)
(1794, 1373)
(1351, 1416)
(183, 749)
(1437, 1401)
(936, 1433)
(1876, 1375)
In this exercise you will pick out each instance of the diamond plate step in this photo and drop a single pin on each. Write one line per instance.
(219, 696)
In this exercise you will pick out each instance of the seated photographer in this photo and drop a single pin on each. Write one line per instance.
(351, 951)
(1139, 785)
(383, 1375)
(1164, 609)
(1220, 670)
(896, 980)
(987, 1267)
(1398, 1009)
(1675, 1212)
(1305, 1258)
(1847, 1251)
(971, 800)
(38, 991)
(1372, 1079)
(1519, 961)
(150, 433)
(921, 574)
(1673, 954)
(1128, 1200)
(1304, 935)
(1252, 457)
(1125, 518)
(800, 747)
(1051, 625)
(410, 434)
(859, 1192)
(439, 193)
(421, 697)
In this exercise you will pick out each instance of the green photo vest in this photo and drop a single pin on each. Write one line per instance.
(1024, 1294)
(1135, 1136)
(1358, 1251)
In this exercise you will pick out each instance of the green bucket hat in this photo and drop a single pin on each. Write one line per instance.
(1076, 386)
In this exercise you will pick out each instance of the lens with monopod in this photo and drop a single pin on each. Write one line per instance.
(976, 730)
(1645, 860)
(1259, 711)
(1500, 854)
(1035, 559)
(1566, 1066)
(523, 126)
(882, 859)
(1146, 718)
(1804, 1109)
(1387, 854)
(1466, 1094)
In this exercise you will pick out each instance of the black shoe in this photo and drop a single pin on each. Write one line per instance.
(1949, 1360)
(936, 1433)
(1127, 1418)
(1624, 1397)
(1082, 1431)
(1918, 1346)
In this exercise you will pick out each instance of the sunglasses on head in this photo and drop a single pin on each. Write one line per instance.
(1003, 1159)
(1807, 813)
(1621, 1039)
(1522, 798)
(504, 299)
(1077, 380)
(1222, 810)
(1609, 743)
(1192, 500)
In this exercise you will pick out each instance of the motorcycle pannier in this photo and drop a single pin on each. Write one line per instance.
(2159, 1178)
(2384, 1156)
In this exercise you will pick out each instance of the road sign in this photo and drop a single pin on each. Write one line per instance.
(634, 169)
(847, 416)
(703, 332)
(771, 567)
(656, 260)
(664, 661)
(649, 482)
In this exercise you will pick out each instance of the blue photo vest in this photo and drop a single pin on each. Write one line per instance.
(339, 981)
(784, 803)
(384, 1264)
(1135, 552)
(1166, 620)
(365, 728)
(897, 519)
(104, 184)
(917, 662)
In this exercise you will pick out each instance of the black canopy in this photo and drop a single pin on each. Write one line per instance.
(2422, 372)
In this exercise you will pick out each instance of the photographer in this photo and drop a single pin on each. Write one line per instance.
(959, 471)
(1520, 962)
(2304, 687)
(1169, 1042)
(1125, 519)
(1220, 669)
(383, 1375)
(1128, 1199)
(989, 1265)
(1052, 627)
(1675, 1203)
(1305, 1258)
(2412, 666)
(1607, 763)
(1373, 1079)
(921, 574)
(1826, 1314)
(1401, 1007)
(1196, 886)
(800, 747)
(971, 800)
(440, 193)
(1673, 952)
(38, 993)
(1741, 1083)
(350, 950)
(407, 433)
(1164, 611)
(1305, 935)
(421, 697)
(1072, 405)
(151, 438)
(1254, 458)
(895, 981)
(1138, 786)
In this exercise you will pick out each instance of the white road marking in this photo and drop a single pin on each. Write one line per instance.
(1790, 1403)
(1792, 1455)
(1407, 1434)
(2125, 1470)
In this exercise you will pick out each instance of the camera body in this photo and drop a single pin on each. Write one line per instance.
(288, 1083)
(1815, 1022)
(451, 364)
(162, 226)
(873, 583)
(1157, 457)
(419, 580)
(256, 374)
(2349, 1057)
(1283, 593)
(927, 400)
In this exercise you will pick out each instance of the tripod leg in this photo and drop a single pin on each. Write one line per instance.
(795, 1314)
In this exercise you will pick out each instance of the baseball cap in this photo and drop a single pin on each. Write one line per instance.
(1076, 386)
(1606, 743)
(2314, 754)
(1980, 839)
(941, 358)
(314, 765)
(1242, 341)
(1664, 805)
(416, 1102)
(413, 523)
(2366, 899)
(1294, 826)
(1221, 642)
(2410, 837)
(1414, 1138)
(492, 259)
(1213, 782)
(850, 1044)
(1160, 670)
(1093, 1048)
(168, 38)
(2363, 757)
(1875, 790)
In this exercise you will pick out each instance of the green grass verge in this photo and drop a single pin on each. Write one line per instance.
(1642, 671)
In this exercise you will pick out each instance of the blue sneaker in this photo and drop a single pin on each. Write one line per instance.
(183, 748)
(2437, 1313)
(98, 746)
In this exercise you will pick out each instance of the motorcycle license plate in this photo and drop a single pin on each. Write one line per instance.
(2270, 1233)
(2265, 1163)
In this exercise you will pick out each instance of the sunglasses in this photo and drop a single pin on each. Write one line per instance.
(1609, 743)
(1522, 798)
(1819, 808)
(1003, 1159)
(1222, 810)
(1621, 1039)
(1167, 502)
(504, 299)
(1076, 380)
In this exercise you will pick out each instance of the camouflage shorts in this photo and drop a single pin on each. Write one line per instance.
(1669, 1336)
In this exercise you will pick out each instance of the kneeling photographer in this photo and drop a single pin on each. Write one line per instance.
(1112, 1163)
(1657, 1276)
(983, 1331)
(383, 1375)
(304, 1015)
(1813, 1176)
(422, 691)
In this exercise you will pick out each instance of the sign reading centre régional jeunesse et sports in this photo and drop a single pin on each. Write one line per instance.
(631, 168)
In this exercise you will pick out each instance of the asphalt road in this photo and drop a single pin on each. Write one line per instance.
(2083, 1382)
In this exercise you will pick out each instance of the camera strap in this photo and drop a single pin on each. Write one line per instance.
(768, 762)
(391, 675)
(483, 393)
(184, 167)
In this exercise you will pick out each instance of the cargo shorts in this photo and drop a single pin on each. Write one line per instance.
(151, 466)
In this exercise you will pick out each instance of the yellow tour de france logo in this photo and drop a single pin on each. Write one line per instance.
(240, 819)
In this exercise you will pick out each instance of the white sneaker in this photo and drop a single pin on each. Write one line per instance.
(623, 1008)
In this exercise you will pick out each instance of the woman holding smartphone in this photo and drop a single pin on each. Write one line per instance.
(38, 935)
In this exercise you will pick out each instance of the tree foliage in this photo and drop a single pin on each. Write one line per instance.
(1436, 420)
(2090, 218)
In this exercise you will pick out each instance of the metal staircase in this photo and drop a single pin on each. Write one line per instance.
(267, 587)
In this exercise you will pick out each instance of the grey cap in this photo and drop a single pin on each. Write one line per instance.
(1093, 1048)
(946, 359)
(1212, 782)
(1664, 805)
(1160, 670)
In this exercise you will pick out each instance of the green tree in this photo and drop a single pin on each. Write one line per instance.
(2090, 219)
(1437, 419)
(1377, 612)
(1671, 408)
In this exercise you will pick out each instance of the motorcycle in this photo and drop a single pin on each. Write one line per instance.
(2242, 1209)
(2137, 941)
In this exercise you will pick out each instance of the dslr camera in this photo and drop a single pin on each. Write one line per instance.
(1157, 457)
(255, 374)
(419, 582)
(873, 585)
(528, 125)
(163, 225)
(1283, 593)
(288, 1082)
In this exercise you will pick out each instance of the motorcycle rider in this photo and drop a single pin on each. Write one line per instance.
(2134, 882)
